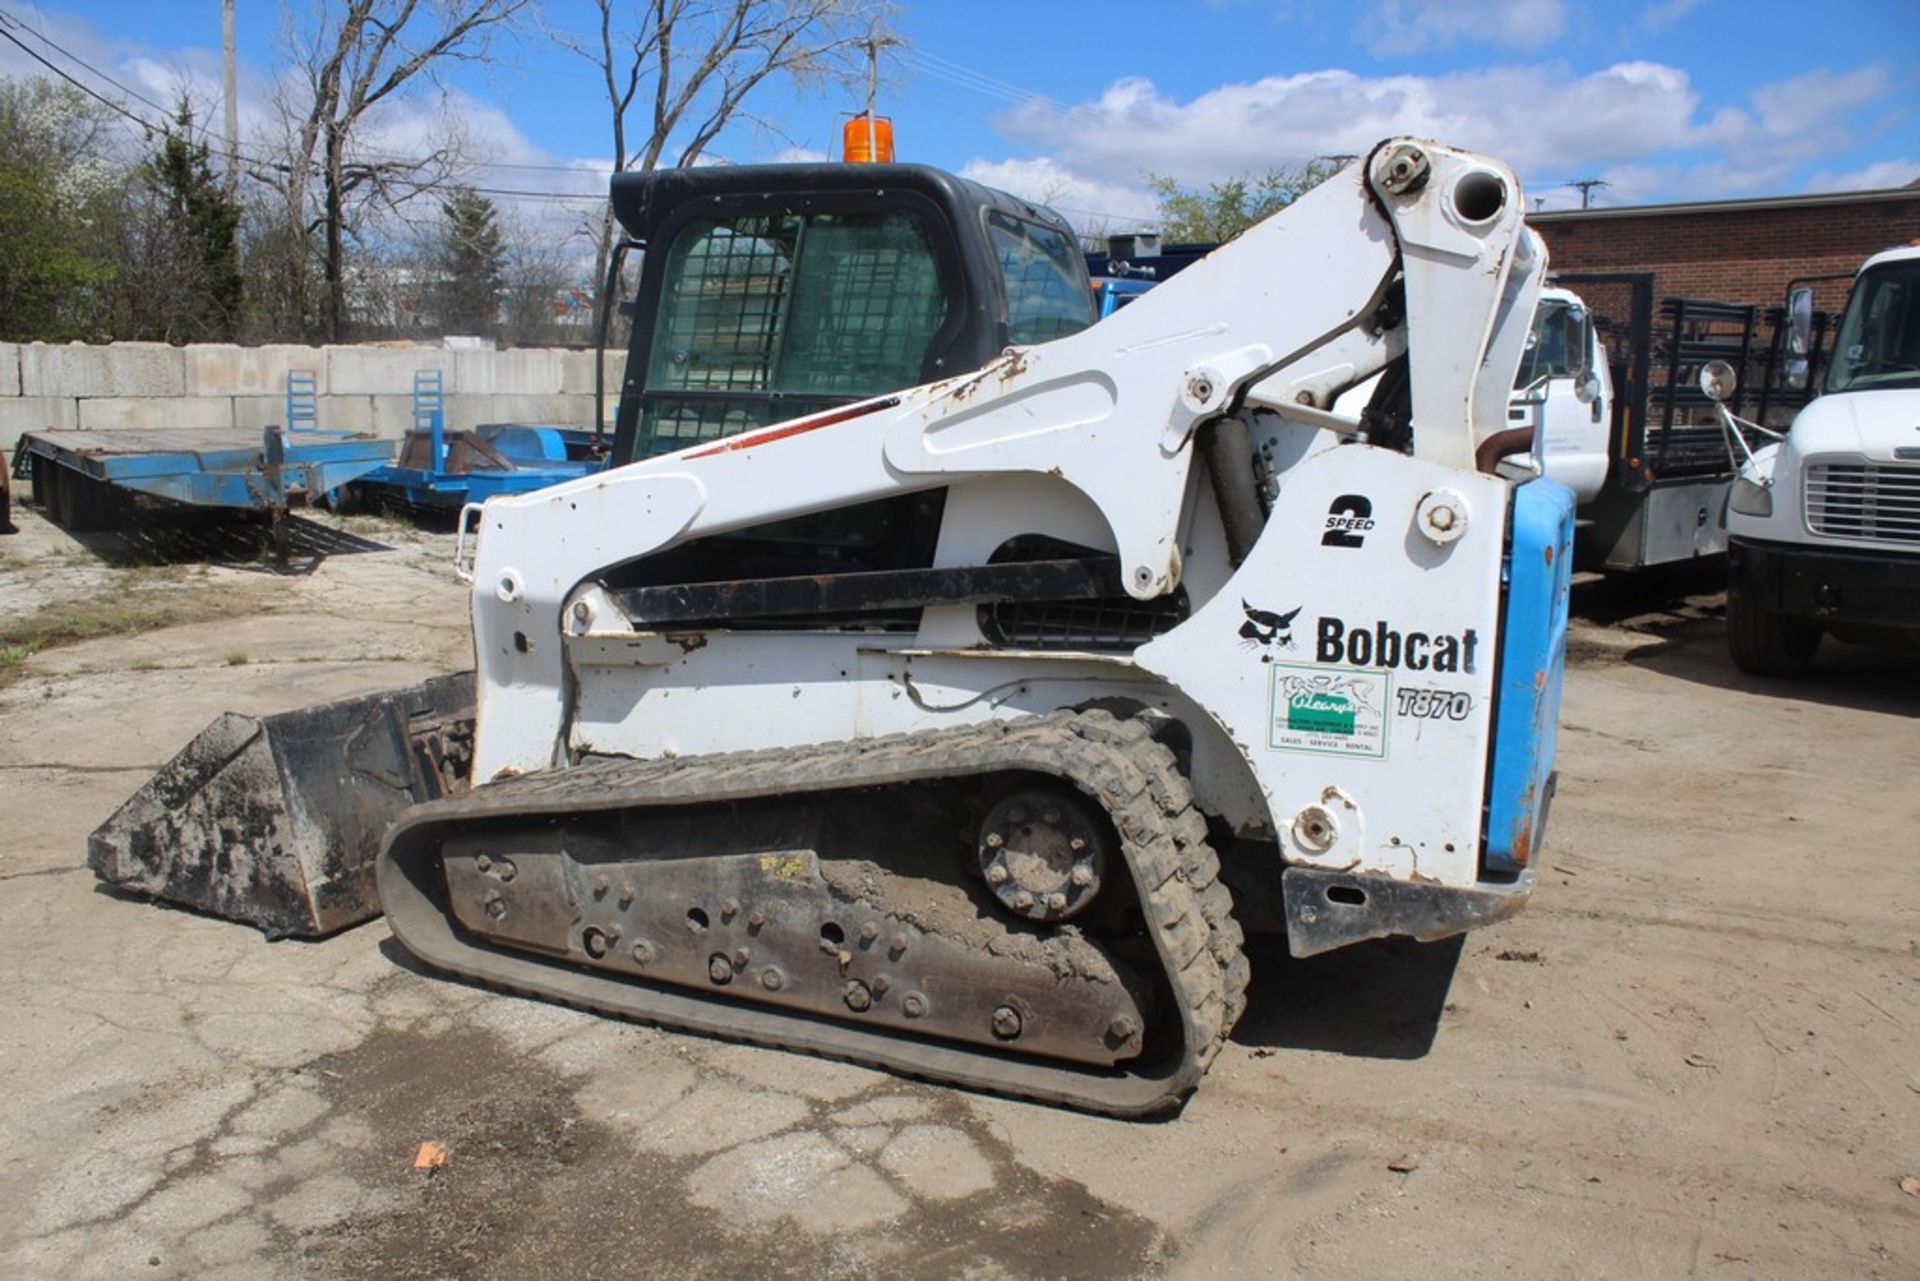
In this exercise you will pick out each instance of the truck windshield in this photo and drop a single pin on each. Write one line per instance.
(1546, 355)
(768, 317)
(1879, 342)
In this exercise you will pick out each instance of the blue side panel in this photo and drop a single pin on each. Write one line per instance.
(1533, 661)
(524, 446)
(452, 490)
(1115, 292)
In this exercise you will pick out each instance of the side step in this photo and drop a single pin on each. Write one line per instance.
(275, 821)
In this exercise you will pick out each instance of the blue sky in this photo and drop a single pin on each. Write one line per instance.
(1663, 99)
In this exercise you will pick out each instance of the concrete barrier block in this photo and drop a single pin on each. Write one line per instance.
(576, 373)
(118, 413)
(554, 410)
(223, 369)
(9, 369)
(117, 369)
(382, 371)
(21, 414)
(390, 416)
(337, 413)
(523, 371)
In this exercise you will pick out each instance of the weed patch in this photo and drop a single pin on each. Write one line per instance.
(127, 615)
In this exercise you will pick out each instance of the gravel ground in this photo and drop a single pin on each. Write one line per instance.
(1697, 1053)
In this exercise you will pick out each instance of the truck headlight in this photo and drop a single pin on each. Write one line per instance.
(1750, 498)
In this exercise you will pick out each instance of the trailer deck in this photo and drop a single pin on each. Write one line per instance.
(86, 480)
(441, 471)
(210, 467)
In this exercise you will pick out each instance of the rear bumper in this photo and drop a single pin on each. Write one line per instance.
(1327, 910)
(1827, 583)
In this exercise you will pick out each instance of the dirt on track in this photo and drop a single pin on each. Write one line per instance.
(1696, 1054)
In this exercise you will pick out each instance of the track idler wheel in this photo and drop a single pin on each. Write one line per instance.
(1044, 851)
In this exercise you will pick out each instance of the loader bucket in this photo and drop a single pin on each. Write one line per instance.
(275, 821)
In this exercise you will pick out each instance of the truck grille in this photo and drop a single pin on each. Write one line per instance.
(1864, 500)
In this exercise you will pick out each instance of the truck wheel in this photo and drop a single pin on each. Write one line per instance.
(1764, 643)
(59, 508)
(85, 501)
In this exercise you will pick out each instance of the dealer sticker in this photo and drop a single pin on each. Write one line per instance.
(1333, 713)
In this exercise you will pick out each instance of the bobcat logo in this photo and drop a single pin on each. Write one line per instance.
(1267, 630)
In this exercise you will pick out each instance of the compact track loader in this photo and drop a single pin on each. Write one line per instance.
(929, 729)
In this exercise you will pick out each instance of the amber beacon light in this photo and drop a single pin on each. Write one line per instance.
(867, 140)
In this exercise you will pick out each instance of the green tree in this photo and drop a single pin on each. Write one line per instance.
(182, 264)
(468, 262)
(1225, 209)
(59, 208)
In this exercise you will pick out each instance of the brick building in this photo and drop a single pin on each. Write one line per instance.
(1736, 250)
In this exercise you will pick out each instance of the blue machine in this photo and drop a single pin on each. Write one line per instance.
(1113, 292)
(1539, 574)
(1133, 264)
(442, 471)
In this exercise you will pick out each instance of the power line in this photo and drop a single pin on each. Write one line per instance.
(101, 98)
(940, 68)
(1586, 186)
(8, 19)
(10, 23)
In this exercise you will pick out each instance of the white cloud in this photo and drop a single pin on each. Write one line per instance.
(1639, 125)
(1394, 27)
(1534, 117)
(1660, 16)
(1090, 204)
(1791, 108)
(1900, 172)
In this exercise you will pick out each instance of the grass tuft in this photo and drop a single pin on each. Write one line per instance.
(128, 614)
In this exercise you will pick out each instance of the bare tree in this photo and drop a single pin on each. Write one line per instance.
(546, 300)
(355, 56)
(678, 72)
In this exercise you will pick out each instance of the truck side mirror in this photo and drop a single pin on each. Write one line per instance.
(1577, 343)
(1717, 381)
(1576, 336)
(1799, 336)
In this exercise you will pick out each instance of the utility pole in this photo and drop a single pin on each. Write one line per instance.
(233, 98)
(1586, 186)
(874, 43)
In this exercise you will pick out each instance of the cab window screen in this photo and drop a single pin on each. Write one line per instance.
(1048, 295)
(766, 318)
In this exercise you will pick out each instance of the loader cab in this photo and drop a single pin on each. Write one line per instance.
(768, 292)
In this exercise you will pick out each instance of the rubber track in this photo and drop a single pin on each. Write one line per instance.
(1118, 762)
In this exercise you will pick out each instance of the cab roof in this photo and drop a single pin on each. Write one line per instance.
(1898, 253)
(643, 201)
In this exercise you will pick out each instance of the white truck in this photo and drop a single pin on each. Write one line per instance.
(1824, 524)
(1564, 395)
(1605, 402)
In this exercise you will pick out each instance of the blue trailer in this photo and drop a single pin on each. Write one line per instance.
(441, 471)
(85, 480)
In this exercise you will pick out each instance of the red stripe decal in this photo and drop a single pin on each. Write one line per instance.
(805, 425)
